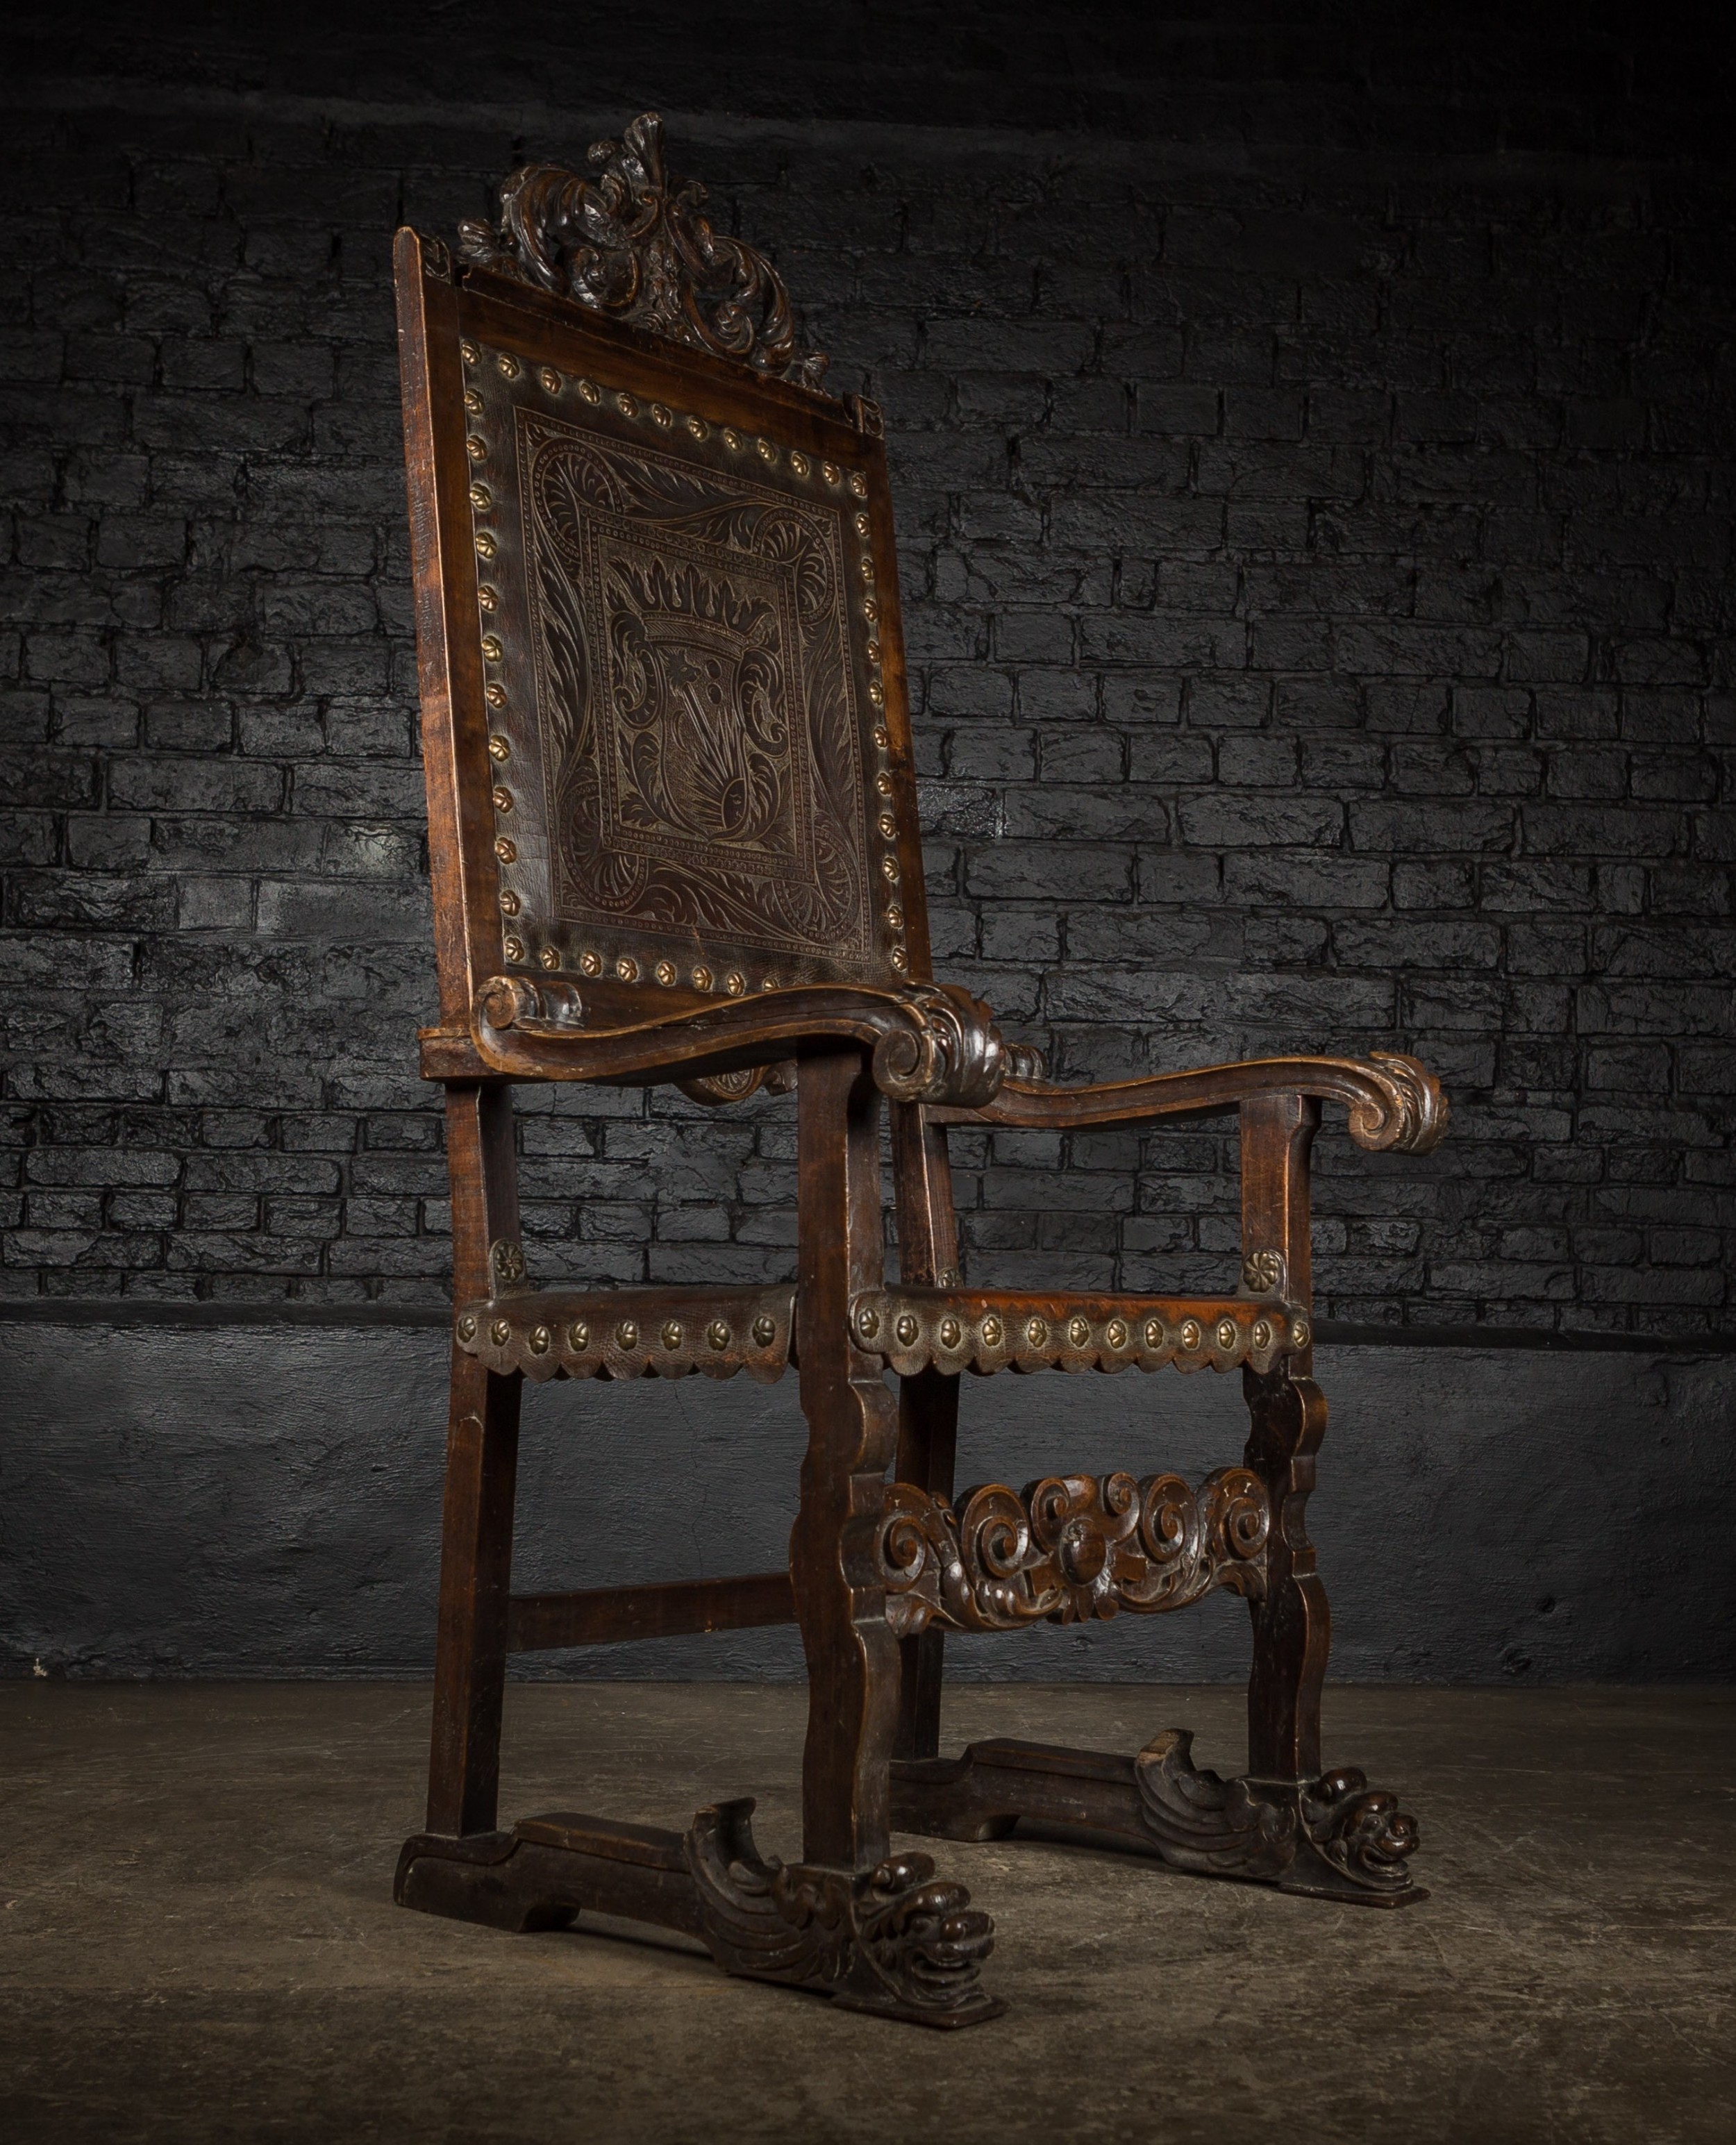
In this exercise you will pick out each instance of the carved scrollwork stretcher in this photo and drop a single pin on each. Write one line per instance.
(1070, 1549)
(631, 1333)
(630, 243)
(985, 1331)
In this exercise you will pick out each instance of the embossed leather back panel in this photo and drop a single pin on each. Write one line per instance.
(692, 776)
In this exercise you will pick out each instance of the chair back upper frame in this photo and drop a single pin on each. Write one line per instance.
(603, 517)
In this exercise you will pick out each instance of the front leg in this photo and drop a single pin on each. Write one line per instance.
(853, 1657)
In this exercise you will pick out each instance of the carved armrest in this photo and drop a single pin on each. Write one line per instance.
(933, 1043)
(1394, 1103)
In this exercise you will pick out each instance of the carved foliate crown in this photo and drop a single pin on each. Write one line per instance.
(630, 244)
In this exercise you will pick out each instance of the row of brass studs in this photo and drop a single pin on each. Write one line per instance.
(541, 1338)
(626, 967)
(886, 824)
(991, 1331)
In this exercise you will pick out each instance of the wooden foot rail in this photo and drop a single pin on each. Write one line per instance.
(893, 1940)
(1333, 1838)
(537, 1623)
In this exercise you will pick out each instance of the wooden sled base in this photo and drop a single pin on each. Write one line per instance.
(1330, 1838)
(898, 1941)
(895, 1941)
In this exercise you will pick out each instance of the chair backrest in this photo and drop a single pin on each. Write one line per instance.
(665, 713)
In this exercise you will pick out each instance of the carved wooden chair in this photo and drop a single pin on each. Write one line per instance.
(674, 836)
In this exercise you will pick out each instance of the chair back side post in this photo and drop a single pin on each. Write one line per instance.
(665, 721)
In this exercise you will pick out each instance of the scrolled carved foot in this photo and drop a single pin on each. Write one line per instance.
(894, 1940)
(1332, 1837)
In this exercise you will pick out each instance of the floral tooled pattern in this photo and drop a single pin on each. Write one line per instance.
(697, 703)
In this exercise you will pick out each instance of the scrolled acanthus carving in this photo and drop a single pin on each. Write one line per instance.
(515, 1002)
(1070, 1549)
(1258, 1829)
(1402, 1110)
(629, 243)
(892, 1939)
(946, 1049)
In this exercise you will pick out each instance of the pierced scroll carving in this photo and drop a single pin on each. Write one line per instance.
(1401, 1110)
(893, 1940)
(953, 1330)
(1261, 1828)
(1070, 1549)
(630, 242)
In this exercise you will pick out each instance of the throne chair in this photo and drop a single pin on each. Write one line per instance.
(674, 838)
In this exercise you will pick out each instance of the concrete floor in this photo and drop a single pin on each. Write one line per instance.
(199, 1941)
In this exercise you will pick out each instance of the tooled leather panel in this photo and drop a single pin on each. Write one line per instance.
(692, 776)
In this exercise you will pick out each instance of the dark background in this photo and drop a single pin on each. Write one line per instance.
(1311, 429)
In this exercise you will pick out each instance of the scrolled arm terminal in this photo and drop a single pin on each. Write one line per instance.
(948, 1050)
(1406, 1112)
(1394, 1103)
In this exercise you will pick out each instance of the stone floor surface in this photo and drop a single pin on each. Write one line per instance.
(197, 1940)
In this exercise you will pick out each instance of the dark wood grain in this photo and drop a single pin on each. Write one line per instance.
(605, 1615)
(482, 1444)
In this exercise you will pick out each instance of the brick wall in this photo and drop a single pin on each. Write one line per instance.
(1314, 466)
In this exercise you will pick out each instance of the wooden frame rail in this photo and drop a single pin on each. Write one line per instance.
(539, 1623)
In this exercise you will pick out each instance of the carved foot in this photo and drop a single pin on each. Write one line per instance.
(893, 1940)
(1332, 1838)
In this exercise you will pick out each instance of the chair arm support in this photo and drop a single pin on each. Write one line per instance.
(933, 1043)
(1395, 1105)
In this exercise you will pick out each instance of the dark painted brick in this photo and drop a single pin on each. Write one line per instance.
(1269, 561)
